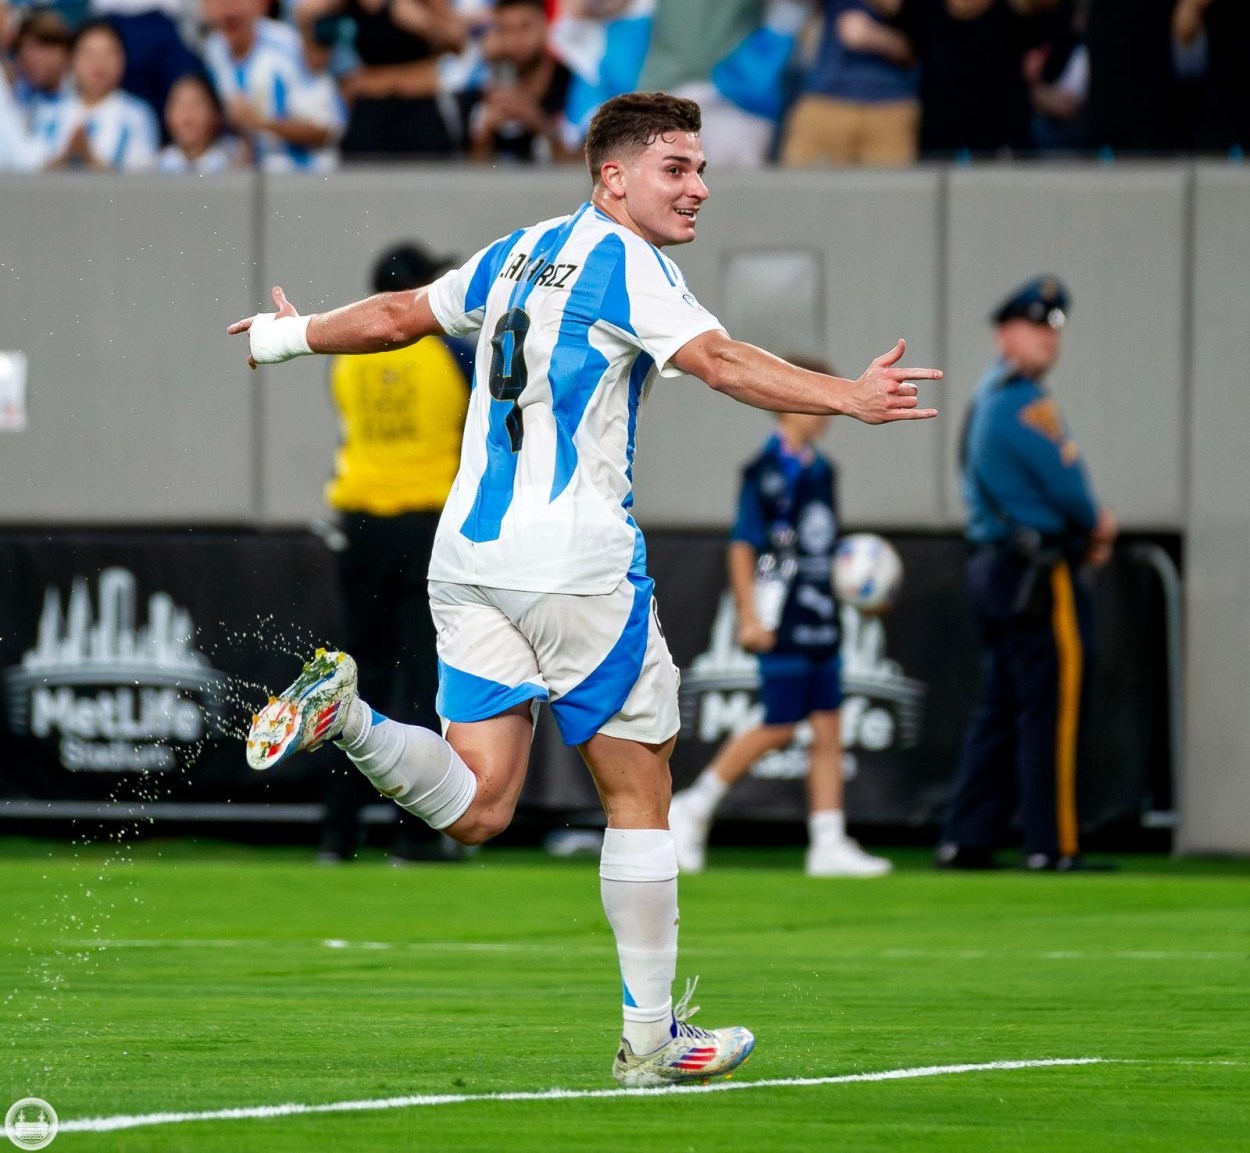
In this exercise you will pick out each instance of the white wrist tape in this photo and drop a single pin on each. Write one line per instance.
(276, 338)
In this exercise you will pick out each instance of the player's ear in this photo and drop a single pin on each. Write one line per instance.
(612, 176)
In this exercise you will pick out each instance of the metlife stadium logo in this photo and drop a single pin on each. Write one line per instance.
(117, 694)
(882, 709)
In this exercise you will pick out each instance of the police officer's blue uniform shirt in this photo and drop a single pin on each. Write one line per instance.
(785, 497)
(1021, 465)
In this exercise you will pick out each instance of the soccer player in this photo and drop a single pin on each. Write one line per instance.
(787, 513)
(538, 582)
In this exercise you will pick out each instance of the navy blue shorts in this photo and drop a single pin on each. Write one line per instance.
(795, 685)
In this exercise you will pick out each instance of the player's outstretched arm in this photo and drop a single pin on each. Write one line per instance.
(375, 324)
(885, 392)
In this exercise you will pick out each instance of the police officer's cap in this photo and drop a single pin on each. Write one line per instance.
(408, 265)
(1042, 300)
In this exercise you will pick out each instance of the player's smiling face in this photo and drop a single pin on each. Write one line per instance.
(659, 191)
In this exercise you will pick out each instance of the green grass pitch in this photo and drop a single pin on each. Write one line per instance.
(176, 977)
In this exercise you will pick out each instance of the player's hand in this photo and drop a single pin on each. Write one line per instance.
(755, 638)
(887, 392)
(284, 306)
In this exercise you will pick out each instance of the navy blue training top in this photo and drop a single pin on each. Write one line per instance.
(788, 502)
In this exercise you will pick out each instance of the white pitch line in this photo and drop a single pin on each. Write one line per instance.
(328, 943)
(563, 946)
(107, 1124)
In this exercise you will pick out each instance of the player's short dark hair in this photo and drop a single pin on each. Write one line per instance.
(629, 123)
(541, 5)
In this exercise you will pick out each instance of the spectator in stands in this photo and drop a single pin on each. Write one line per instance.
(257, 66)
(603, 43)
(729, 56)
(195, 121)
(156, 52)
(463, 70)
(519, 114)
(1133, 95)
(9, 19)
(1223, 112)
(100, 126)
(860, 95)
(973, 92)
(323, 99)
(394, 109)
(41, 61)
(1057, 73)
(19, 152)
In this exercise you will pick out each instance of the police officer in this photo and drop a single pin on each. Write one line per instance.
(1034, 525)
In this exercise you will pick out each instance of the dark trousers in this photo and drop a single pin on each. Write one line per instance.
(382, 576)
(1021, 744)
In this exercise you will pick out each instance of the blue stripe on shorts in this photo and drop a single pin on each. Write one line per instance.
(584, 710)
(464, 697)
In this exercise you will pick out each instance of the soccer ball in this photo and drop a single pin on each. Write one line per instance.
(867, 572)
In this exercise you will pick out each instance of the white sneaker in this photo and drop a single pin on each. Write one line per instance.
(844, 859)
(689, 826)
(693, 1055)
(309, 711)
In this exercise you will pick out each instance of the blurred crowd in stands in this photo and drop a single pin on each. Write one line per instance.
(204, 86)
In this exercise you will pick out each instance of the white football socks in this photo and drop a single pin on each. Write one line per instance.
(638, 882)
(827, 827)
(412, 766)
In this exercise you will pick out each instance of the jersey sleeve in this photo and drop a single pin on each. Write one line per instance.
(1040, 437)
(458, 297)
(664, 314)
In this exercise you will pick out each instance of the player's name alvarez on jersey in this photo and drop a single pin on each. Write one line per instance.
(538, 270)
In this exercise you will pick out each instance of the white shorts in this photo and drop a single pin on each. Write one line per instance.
(601, 661)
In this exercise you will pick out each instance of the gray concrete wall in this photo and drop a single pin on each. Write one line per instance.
(118, 290)
(1215, 777)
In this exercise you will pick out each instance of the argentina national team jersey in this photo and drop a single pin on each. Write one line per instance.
(121, 129)
(578, 315)
(275, 79)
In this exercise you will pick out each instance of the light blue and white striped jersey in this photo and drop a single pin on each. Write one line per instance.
(221, 156)
(121, 129)
(274, 77)
(19, 151)
(30, 98)
(578, 316)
